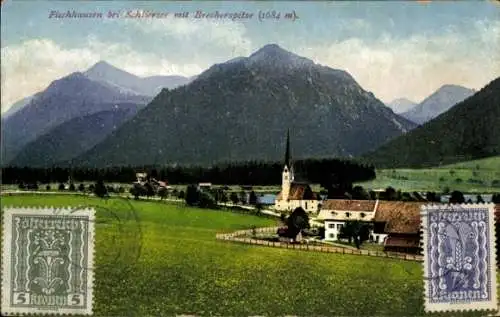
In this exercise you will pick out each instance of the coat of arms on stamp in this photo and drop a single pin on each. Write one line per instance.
(459, 257)
(47, 260)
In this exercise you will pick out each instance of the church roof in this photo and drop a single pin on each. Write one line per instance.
(299, 191)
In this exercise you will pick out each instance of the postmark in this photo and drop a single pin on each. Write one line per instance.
(459, 257)
(47, 260)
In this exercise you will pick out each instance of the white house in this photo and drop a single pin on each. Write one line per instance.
(294, 194)
(335, 212)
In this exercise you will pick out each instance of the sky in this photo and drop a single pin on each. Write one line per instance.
(393, 49)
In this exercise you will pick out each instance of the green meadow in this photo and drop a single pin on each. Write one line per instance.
(157, 259)
(470, 177)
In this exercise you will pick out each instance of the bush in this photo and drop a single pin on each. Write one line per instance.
(458, 180)
(442, 179)
(21, 186)
(495, 183)
(47, 187)
(81, 188)
(61, 187)
(72, 187)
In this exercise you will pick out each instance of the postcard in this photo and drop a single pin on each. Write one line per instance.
(250, 158)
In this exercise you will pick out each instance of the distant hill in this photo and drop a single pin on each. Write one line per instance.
(470, 130)
(401, 105)
(439, 102)
(240, 110)
(148, 86)
(74, 137)
(70, 97)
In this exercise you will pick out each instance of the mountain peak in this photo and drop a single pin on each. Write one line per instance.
(275, 55)
(103, 67)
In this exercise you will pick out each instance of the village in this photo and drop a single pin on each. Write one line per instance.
(374, 224)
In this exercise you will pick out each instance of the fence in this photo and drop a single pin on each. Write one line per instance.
(237, 237)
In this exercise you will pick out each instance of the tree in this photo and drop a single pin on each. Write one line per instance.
(206, 200)
(81, 188)
(71, 187)
(357, 231)
(47, 188)
(100, 189)
(358, 192)
(253, 198)
(297, 221)
(243, 197)
(390, 194)
(431, 196)
(162, 192)
(479, 199)
(150, 191)
(456, 197)
(138, 190)
(496, 199)
(234, 198)
(192, 195)
(61, 187)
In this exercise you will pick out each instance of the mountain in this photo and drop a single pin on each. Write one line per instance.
(240, 111)
(17, 106)
(470, 130)
(439, 102)
(67, 98)
(401, 105)
(148, 86)
(74, 137)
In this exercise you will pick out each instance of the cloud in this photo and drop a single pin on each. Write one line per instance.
(222, 38)
(31, 66)
(416, 66)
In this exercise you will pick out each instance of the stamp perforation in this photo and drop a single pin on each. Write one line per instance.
(87, 231)
(492, 303)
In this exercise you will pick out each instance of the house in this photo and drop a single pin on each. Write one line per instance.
(293, 193)
(400, 221)
(205, 185)
(335, 212)
(141, 177)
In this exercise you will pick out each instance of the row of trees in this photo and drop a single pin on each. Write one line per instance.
(251, 173)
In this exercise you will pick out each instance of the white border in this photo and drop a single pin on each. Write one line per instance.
(473, 305)
(8, 212)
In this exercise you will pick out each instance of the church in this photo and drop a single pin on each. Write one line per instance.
(295, 194)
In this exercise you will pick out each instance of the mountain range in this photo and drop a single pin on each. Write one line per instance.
(401, 105)
(102, 89)
(241, 109)
(437, 103)
(469, 130)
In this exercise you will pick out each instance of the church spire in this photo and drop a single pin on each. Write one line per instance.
(287, 153)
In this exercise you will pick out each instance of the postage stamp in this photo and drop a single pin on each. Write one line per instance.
(459, 257)
(47, 261)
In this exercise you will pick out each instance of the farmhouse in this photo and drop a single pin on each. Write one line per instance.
(400, 221)
(295, 194)
(335, 212)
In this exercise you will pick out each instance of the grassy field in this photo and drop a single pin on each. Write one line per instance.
(470, 177)
(161, 259)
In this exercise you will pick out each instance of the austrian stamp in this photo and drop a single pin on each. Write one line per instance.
(47, 261)
(459, 257)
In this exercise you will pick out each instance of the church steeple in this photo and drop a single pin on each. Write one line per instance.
(287, 153)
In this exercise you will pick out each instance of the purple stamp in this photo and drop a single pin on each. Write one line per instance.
(459, 257)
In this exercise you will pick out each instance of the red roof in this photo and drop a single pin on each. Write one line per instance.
(299, 192)
(350, 205)
(405, 242)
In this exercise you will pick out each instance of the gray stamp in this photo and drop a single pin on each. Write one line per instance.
(47, 261)
(459, 257)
